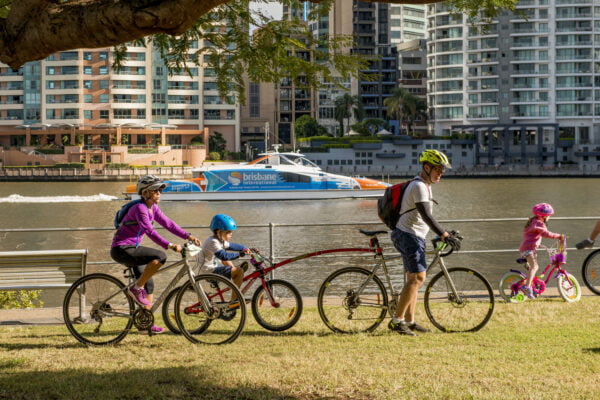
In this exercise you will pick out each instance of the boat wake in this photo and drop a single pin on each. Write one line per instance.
(17, 198)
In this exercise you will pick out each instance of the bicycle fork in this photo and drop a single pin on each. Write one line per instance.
(206, 304)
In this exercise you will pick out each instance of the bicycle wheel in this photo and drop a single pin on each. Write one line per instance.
(97, 311)
(352, 300)
(591, 271)
(505, 286)
(224, 324)
(168, 311)
(569, 289)
(470, 311)
(286, 311)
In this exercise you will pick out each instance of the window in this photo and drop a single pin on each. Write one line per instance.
(87, 84)
(103, 55)
(87, 98)
(104, 84)
(87, 114)
(104, 114)
(87, 55)
(103, 70)
(104, 98)
(87, 70)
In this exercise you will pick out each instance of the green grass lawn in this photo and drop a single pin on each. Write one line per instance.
(543, 349)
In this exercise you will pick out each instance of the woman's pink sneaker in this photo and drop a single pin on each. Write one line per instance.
(154, 329)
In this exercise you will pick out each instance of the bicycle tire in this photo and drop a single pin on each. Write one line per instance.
(504, 287)
(342, 310)
(591, 271)
(168, 311)
(570, 292)
(288, 310)
(196, 325)
(471, 312)
(107, 316)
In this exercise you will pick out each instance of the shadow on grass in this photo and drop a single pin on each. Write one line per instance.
(172, 383)
(592, 350)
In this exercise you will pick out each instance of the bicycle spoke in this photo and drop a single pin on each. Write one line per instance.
(105, 317)
(469, 309)
(223, 323)
(352, 300)
(280, 312)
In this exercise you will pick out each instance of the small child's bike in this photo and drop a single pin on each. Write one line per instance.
(276, 304)
(512, 283)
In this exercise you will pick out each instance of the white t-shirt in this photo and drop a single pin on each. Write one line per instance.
(417, 192)
(207, 259)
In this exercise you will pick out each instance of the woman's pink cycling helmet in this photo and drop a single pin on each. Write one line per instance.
(543, 210)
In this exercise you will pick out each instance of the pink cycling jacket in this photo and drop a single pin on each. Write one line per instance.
(132, 235)
(533, 234)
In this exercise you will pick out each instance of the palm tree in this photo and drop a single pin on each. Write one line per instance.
(347, 106)
(413, 107)
(396, 104)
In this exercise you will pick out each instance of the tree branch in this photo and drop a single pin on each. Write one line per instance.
(35, 29)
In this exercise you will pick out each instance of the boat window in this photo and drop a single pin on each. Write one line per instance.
(297, 178)
(285, 161)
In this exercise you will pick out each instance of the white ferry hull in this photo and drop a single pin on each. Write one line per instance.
(269, 195)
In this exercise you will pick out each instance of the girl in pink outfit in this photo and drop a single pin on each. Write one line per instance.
(534, 231)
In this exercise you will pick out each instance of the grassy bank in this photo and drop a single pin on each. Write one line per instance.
(536, 350)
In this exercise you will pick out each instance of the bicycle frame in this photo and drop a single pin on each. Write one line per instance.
(186, 269)
(440, 246)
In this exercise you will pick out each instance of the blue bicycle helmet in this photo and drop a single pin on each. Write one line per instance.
(223, 222)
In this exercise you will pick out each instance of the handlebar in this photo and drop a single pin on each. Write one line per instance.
(445, 248)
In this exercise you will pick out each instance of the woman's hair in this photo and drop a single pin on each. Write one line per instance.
(534, 217)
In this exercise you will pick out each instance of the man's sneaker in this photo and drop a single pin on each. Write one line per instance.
(154, 329)
(401, 327)
(418, 328)
(138, 295)
(584, 243)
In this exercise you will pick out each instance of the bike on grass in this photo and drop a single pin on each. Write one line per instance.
(98, 311)
(354, 299)
(276, 304)
(590, 270)
(512, 283)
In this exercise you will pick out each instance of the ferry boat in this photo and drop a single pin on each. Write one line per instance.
(272, 176)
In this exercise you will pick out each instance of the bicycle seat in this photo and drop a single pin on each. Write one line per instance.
(521, 260)
(371, 233)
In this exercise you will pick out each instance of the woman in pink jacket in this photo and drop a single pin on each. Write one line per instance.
(534, 231)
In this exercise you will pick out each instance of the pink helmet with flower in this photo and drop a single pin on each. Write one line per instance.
(543, 210)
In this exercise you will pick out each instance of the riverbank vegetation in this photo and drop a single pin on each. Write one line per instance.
(543, 349)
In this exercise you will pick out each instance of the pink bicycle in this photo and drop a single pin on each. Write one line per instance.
(512, 282)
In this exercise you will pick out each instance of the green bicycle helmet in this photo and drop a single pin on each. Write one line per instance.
(435, 157)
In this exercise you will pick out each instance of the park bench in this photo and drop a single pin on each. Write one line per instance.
(46, 269)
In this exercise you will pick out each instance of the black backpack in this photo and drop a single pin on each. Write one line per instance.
(123, 211)
(388, 205)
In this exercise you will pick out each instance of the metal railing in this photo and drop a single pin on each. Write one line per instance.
(274, 256)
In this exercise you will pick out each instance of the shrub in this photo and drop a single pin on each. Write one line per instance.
(116, 165)
(214, 155)
(337, 146)
(20, 299)
(70, 165)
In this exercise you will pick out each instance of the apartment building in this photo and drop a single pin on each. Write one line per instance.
(528, 86)
(80, 89)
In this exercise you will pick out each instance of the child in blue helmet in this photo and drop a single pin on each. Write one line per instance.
(218, 252)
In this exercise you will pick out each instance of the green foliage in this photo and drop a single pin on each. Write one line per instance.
(365, 140)
(50, 149)
(197, 140)
(70, 165)
(214, 155)
(275, 50)
(217, 143)
(10, 299)
(337, 146)
(116, 165)
(142, 150)
(307, 126)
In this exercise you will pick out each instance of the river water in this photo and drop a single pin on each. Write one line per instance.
(93, 205)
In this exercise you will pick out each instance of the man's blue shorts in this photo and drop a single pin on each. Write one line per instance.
(223, 270)
(412, 249)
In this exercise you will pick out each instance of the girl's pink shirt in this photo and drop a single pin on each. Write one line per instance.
(533, 234)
